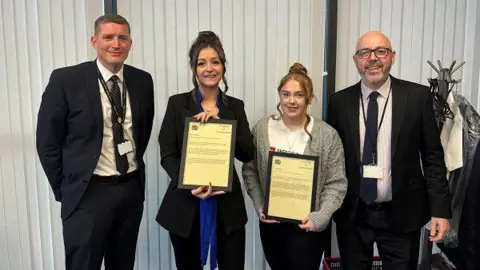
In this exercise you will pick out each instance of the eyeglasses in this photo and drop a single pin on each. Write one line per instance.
(379, 52)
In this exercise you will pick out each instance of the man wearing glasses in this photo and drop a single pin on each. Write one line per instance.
(394, 162)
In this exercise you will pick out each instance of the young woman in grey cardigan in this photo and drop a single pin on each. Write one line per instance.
(293, 130)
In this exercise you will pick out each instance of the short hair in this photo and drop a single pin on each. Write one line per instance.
(110, 18)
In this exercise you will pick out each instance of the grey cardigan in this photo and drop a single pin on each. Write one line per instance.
(332, 182)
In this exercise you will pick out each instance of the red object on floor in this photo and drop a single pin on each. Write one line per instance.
(334, 263)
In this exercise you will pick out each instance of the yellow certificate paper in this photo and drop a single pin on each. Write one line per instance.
(207, 156)
(291, 186)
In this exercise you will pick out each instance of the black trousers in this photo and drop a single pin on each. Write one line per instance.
(397, 250)
(230, 248)
(287, 247)
(105, 226)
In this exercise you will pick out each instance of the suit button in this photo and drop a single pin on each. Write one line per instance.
(84, 181)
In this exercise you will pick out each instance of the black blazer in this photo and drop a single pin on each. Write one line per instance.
(70, 127)
(416, 195)
(179, 207)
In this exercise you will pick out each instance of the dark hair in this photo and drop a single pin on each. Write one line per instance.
(298, 73)
(110, 18)
(207, 39)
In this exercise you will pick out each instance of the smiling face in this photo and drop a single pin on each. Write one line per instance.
(209, 69)
(112, 43)
(293, 99)
(374, 59)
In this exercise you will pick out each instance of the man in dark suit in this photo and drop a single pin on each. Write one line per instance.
(94, 125)
(394, 161)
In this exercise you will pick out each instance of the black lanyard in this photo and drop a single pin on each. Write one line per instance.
(381, 119)
(121, 110)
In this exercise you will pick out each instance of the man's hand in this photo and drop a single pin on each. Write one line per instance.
(438, 228)
(307, 225)
(202, 194)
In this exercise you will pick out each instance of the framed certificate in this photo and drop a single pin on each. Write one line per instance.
(208, 154)
(291, 186)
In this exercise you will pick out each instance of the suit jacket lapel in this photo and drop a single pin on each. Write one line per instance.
(399, 103)
(353, 112)
(191, 105)
(133, 88)
(93, 93)
(225, 112)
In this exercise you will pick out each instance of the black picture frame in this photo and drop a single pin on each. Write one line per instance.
(271, 156)
(189, 120)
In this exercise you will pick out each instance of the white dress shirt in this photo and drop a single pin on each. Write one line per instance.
(106, 163)
(384, 138)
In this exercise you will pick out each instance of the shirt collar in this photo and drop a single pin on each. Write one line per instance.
(199, 97)
(107, 74)
(383, 90)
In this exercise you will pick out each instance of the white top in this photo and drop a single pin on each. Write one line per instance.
(384, 138)
(452, 137)
(106, 163)
(284, 139)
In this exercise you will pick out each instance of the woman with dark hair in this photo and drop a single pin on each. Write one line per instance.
(201, 220)
(293, 130)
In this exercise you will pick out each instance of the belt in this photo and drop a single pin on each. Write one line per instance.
(114, 179)
(379, 205)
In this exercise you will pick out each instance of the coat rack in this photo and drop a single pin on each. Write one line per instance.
(440, 88)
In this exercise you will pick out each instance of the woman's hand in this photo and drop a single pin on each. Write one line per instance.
(201, 193)
(204, 116)
(264, 219)
(307, 225)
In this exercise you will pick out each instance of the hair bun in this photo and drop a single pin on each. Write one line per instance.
(298, 68)
(208, 37)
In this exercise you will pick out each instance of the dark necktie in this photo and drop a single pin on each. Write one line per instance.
(117, 128)
(368, 188)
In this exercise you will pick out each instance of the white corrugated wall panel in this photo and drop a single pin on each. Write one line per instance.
(261, 40)
(36, 37)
